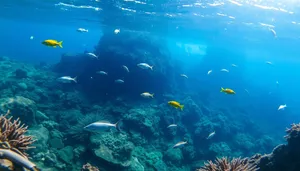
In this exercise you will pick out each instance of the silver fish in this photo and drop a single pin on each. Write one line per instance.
(119, 81)
(101, 72)
(180, 144)
(126, 68)
(145, 66)
(102, 126)
(67, 79)
(172, 125)
(211, 135)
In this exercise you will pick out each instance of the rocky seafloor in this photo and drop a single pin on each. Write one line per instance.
(56, 113)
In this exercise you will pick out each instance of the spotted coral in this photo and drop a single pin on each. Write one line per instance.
(12, 133)
(224, 164)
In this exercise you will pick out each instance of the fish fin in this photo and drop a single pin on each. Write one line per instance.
(60, 44)
(118, 125)
(54, 46)
(222, 89)
(151, 67)
(75, 79)
(181, 107)
(152, 95)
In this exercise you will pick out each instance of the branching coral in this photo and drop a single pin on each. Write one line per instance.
(12, 133)
(224, 164)
(13, 144)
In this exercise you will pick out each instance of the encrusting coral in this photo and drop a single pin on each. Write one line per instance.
(13, 144)
(224, 164)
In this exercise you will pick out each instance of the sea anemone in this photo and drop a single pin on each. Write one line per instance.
(12, 135)
(223, 164)
(292, 132)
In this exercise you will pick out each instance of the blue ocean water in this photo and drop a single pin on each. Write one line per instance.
(200, 36)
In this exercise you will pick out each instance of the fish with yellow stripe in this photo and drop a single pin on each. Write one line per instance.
(176, 104)
(52, 43)
(227, 90)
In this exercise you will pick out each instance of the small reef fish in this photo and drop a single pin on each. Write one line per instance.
(125, 68)
(102, 126)
(92, 55)
(82, 30)
(117, 31)
(233, 65)
(52, 43)
(119, 81)
(172, 125)
(227, 90)
(145, 66)
(211, 135)
(180, 144)
(147, 95)
(31, 37)
(183, 75)
(273, 32)
(101, 72)
(268, 62)
(247, 91)
(209, 72)
(175, 104)
(224, 70)
(67, 79)
(282, 107)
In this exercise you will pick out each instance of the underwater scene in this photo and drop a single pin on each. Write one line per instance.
(150, 85)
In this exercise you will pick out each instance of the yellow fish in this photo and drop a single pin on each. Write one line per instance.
(175, 104)
(52, 43)
(227, 90)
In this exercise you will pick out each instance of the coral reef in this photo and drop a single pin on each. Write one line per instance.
(284, 156)
(14, 144)
(224, 164)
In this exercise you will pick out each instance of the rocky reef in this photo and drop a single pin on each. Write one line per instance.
(57, 112)
(283, 157)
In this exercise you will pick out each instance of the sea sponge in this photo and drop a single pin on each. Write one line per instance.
(224, 164)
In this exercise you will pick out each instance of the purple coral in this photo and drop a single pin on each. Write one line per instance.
(224, 164)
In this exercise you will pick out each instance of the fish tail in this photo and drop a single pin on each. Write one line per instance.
(222, 89)
(181, 107)
(75, 79)
(118, 125)
(60, 44)
(152, 95)
(35, 169)
(151, 67)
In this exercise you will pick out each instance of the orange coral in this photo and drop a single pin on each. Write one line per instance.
(12, 134)
(223, 164)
